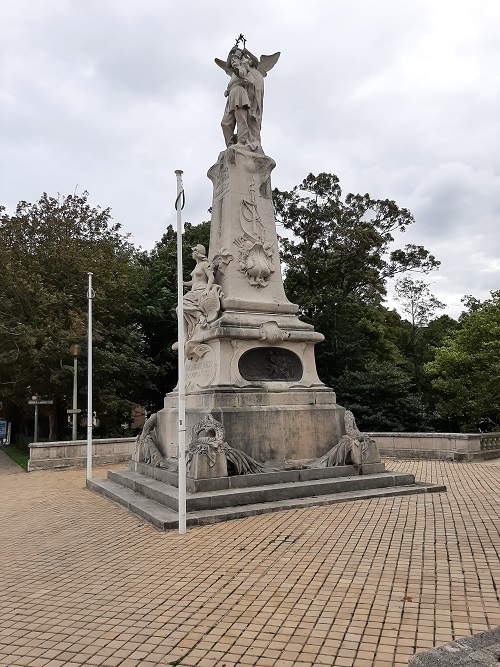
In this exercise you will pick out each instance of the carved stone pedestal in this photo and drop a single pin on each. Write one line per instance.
(253, 368)
(201, 467)
(243, 240)
(276, 428)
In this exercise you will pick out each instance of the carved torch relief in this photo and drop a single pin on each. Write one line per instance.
(255, 253)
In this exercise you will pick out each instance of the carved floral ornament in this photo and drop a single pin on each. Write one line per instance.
(255, 252)
(221, 260)
(208, 438)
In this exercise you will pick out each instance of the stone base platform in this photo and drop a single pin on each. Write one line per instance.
(275, 426)
(152, 493)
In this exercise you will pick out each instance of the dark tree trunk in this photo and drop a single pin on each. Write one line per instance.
(53, 423)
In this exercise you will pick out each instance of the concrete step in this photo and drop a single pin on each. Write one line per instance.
(166, 518)
(162, 493)
(156, 514)
(167, 495)
(258, 479)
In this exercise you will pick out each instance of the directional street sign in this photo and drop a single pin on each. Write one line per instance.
(40, 402)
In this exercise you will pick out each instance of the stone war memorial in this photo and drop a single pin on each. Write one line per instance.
(263, 432)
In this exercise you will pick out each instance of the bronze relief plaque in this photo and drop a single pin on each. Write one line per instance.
(270, 364)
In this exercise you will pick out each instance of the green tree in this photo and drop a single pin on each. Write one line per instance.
(417, 301)
(158, 301)
(433, 335)
(382, 399)
(342, 247)
(337, 260)
(466, 368)
(437, 330)
(46, 251)
(419, 304)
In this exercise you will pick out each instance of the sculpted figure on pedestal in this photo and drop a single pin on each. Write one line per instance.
(245, 94)
(146, 445)
(202, 302)
(354, 448)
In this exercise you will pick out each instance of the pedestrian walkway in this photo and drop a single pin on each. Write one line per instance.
(7, 465)
(364, 584)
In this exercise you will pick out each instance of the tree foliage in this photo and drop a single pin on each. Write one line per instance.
(416, 300)
(46, 252)
(419, 304)
(466, 368)
(342, 247)
(382, 399)
(337, 261)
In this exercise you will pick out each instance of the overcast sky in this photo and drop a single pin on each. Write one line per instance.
(399, 98)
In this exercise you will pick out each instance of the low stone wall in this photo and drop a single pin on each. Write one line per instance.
(448, 446)
(73, 454)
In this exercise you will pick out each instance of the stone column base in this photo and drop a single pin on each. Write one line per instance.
(275, 428)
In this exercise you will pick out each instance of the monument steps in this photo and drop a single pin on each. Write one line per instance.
(156, 501)
(167, 495)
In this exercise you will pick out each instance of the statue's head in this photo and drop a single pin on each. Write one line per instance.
(199, 251)
(235, 54)
(349, 420)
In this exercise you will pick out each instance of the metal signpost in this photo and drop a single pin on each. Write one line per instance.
(36, 401)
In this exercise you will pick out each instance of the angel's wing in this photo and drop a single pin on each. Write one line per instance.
(223, 65)
(266, 63)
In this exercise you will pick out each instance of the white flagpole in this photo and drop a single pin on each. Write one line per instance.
(90, 296)
(182, 378)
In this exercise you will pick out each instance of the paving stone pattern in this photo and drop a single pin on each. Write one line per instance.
(363, 584)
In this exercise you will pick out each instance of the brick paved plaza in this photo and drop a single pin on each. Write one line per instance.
(365, 584)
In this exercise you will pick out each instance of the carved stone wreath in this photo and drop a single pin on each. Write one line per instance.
(214, 441)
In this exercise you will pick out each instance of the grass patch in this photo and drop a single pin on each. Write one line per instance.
(19, 455)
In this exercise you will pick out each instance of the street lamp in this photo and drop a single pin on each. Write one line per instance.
(35, 399)
(75, 350)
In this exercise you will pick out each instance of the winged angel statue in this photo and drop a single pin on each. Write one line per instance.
(245, 94)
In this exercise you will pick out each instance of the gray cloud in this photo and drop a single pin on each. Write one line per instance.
(398, 99)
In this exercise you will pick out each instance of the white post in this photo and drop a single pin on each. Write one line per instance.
(74, 430)
(35, 434)
(90, 296)
(181, 387)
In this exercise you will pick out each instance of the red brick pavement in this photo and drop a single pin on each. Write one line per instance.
(362, 584)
